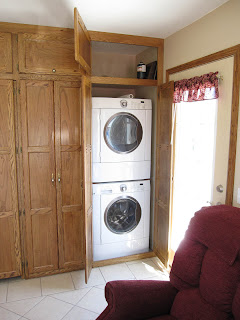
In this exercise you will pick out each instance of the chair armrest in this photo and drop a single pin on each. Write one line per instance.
(137, 299)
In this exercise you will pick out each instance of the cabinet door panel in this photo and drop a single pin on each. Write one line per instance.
(68, 168)
(82, 43)
(39, 176)
(42, 225)
(5, 184)
(37, 111)
(71, 176)
(38, 122)
(45, 53)
(10, 259)
(5, 52)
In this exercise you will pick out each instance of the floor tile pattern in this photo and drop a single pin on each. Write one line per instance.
(67, 296)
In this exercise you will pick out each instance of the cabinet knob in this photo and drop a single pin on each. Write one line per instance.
(53, 70)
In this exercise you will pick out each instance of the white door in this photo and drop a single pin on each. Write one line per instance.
(122, 135)
(201, 149)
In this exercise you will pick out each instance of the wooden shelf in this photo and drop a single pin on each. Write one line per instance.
(123, 81)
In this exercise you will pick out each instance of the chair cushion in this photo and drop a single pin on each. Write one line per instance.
(218, 281)
(236, 304)
(189, 305)
(166, 317)
(187, 264)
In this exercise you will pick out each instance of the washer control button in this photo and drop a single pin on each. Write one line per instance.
(123, 187)
(123, 103)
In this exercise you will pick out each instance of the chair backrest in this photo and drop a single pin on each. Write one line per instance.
(209, 258)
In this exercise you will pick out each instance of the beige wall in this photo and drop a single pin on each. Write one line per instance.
(216, 31)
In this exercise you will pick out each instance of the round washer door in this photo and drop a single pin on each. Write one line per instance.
(122, 215)
(123, 132)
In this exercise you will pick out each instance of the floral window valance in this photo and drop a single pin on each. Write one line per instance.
(200, 88)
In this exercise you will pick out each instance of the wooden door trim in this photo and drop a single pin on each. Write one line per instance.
(226, 53)
(134, 257)
(87, 149)
(31, 28)
(79, 22)
(125, 39)
(163, 151)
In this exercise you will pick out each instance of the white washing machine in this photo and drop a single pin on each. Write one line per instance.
(121, 139)
(121, 219)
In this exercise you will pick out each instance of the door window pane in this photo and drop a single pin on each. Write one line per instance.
(122, 215)
(123, 133)
(194, 148)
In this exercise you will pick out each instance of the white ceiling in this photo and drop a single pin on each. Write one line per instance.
(153, 18)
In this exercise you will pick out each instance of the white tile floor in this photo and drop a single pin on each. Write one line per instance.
(67, 296)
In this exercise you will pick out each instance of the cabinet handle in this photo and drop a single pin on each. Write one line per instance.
(53, 180)
(59, 178)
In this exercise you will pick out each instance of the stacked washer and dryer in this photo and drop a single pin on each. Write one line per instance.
(121, 149)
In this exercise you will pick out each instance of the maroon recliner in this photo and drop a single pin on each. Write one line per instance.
(204, 280)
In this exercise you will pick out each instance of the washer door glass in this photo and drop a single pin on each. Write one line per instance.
(123, 133)
(122, 215)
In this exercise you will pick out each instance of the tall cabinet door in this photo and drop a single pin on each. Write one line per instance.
(37, 115)
(69, 173)
(9, 225)
(87, 171)
(163, 171)
(82, 42)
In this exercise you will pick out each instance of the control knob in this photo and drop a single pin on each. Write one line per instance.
(123, 188)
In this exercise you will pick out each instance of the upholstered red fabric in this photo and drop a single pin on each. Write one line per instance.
(189, 304)
(187, 270)
(204, 280)
(236, 304)
(132, 305)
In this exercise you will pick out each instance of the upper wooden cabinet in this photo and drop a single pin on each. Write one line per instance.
(82, 43)
(47, 53)
(5, 52)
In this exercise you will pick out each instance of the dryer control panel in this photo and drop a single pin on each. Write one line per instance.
(120, 187)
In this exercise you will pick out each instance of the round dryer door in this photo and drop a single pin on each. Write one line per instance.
(122, 215)
(123, 132)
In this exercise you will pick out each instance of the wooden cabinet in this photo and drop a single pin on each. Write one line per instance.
(10, 257)
(5, 52)
(37, 115)
(68, 136)
(53, 117)
(46, 53)
(51, 123)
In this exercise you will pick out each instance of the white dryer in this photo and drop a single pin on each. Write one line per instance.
(121, 219)
(121, 139)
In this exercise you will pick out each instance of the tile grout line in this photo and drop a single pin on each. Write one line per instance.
(88, 310)
(7, 290)
(67, 313)
(73, 281)
(35, 305)
(131, 272)
(1, 307)
(41, 285)
(102, 276)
